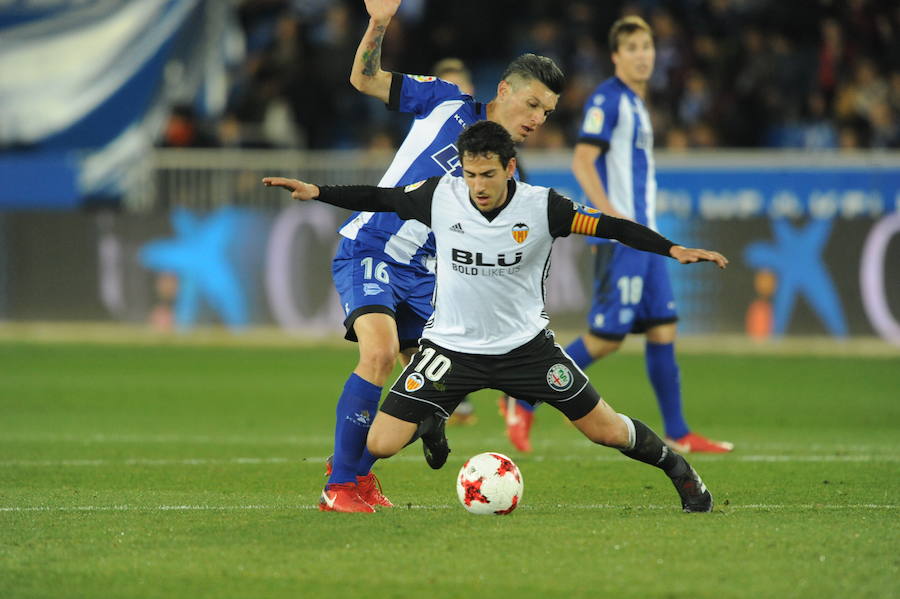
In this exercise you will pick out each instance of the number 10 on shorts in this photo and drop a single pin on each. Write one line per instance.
(432, 364)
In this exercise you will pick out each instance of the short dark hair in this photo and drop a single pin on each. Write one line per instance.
(626, 26)
(484, 138)
(532, 66)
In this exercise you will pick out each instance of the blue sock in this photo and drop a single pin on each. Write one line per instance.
(662, 370)
(355, 410)
(579, 353)
(525, 405)
(365, 463)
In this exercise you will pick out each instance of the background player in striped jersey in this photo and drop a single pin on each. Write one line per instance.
(494, 237)
(381, 269)
(613, 163)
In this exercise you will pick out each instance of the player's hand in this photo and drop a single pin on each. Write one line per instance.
(382, 10)
(688, 255)
(299, 190)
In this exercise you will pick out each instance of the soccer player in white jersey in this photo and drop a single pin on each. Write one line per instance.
(381, 267)
(488, 330)
(613, 163)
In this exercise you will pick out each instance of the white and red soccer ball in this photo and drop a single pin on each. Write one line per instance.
(489, 483)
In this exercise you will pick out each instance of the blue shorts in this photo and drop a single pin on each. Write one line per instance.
(369, 281)
(632, 292)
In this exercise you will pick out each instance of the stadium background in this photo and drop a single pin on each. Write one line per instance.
(170, 342)
(776, 125)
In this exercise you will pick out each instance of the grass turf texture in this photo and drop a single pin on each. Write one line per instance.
(130, 471)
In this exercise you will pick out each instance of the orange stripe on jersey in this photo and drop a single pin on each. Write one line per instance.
(583, 224)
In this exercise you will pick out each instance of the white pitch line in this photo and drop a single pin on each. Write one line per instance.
(318, 461)
(600, 506)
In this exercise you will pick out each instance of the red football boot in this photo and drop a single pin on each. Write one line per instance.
(369, 488)
(518, 423)
(694, 443)
(343, 497)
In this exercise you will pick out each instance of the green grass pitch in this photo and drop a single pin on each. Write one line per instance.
(178, 471)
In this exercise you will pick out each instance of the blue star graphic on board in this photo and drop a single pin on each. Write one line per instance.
(795, 257)
(198, 255)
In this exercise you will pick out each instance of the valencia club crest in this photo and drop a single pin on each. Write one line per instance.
(520, 232)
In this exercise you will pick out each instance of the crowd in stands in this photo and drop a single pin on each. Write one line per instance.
(810, 74)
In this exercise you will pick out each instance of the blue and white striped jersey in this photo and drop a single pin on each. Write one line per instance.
(616, 119)
(429, 150)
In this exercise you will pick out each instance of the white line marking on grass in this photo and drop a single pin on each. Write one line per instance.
(302, 440)
(599, 506)
(318, 461)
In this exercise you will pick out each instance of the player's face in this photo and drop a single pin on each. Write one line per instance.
(635, 57)
(523, 106)
(486, 177)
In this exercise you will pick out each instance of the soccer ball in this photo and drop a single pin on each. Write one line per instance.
(489, 483)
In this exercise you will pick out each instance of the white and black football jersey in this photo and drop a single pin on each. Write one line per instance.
(491, 266)
(489, 296)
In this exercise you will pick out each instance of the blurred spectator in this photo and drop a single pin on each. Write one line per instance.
(818, 131)
(739, 73)
(184, 131)
(454, 71)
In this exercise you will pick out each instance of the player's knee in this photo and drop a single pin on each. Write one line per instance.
(599, 347)
(608, 431)
(378, 360)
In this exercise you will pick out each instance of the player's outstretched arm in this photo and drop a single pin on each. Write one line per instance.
(299, 190)
(367, 75)
(586, 221)
(688, 255)
(412, 201)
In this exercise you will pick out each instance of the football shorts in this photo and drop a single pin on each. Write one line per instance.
(632, 292)
(437, 379)
(369, 281)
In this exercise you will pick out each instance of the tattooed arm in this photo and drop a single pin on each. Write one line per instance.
(367, 75)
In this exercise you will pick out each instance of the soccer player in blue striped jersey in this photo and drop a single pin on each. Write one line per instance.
(613, 163)
(382, 269)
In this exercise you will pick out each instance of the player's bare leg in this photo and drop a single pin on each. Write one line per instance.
(352, 486)
(389, 435)
(379, 347)
(636, 440)
(519, 415)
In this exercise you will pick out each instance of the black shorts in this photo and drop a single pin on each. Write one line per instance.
(437, 379)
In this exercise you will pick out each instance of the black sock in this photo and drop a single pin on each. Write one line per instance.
(650, 449)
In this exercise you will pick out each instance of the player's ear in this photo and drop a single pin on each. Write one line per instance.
(511, 168)
(503, 88)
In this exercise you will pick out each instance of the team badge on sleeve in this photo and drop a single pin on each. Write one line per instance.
(414, 382)
(559, 377)
(585, 219)
(423, 78)
(414, 186)
(520, 232)
(585, 209)
(593, 120)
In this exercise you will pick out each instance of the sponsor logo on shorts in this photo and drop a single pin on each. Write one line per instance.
(626, 315)
(599, 321)
(414, 382)
(372, 289)
(559, 377)
(520, 232)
